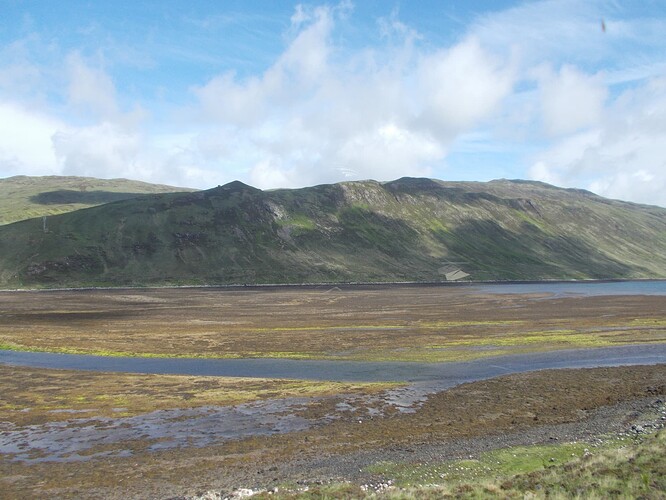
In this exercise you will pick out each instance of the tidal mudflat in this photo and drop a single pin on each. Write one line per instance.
(97, 434)
(408, 323)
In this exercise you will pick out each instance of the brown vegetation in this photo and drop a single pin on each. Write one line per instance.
(378, 323)
(374, 323)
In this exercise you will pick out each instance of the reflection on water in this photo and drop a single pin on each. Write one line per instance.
(586, 288)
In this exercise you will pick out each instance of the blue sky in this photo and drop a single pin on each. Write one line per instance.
(287, 94)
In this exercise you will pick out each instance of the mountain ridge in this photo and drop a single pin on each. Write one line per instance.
(409, 229)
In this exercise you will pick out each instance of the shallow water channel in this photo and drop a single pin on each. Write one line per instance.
(79, 438)
(345, 371)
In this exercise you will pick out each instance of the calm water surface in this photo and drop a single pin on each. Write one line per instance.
(586, 288)
(450, 373)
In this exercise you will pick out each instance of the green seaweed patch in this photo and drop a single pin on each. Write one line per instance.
(554, 338)
(470, 347)
(116, 354)
(135, 354)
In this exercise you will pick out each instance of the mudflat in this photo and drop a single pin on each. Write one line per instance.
(346, 441)
(367, 323)
(115, 435)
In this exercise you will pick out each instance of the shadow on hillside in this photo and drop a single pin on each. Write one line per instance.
(66, 196)
(500, 252)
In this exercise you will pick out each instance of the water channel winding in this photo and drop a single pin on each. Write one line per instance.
(357, 371)
(78, 439)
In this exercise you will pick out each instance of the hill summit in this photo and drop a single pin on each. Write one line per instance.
(404, 230)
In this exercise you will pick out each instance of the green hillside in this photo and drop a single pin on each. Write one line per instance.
(409, 229)
(23, 197)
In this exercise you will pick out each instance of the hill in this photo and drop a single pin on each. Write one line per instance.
(24, 197)
(408, 229)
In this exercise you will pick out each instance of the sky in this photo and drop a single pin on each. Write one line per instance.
(287, 94)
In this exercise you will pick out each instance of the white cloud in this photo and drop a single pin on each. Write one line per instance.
(103, 150)
(17, 76)
(90, 90)
(266, 174)
(25, 141)
(461, 86)
(299, 16)
(225, 99)
(570, 100)
(38, 143)
(306, 58)
(386, 152)
(624, 157)
(550, 30)
(319, 114)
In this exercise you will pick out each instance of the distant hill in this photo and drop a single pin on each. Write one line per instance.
(24, 197)
(408, 229)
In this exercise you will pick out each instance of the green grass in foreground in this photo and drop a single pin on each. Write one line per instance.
(618, 468)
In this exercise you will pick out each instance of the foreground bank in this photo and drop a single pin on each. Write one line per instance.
(359, 445)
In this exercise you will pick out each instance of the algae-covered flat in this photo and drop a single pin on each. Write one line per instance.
(419, 324)
(351, 427)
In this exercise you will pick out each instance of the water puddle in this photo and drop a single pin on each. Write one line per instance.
(83, 439)
(76, 439)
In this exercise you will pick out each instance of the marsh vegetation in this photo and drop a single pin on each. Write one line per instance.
(426, 324)
(353, 435)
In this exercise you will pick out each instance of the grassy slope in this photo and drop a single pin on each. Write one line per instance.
(23, 197)
(409, 229)
(620, 469)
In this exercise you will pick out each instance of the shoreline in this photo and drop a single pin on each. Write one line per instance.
(341, 285)
(562, 406)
